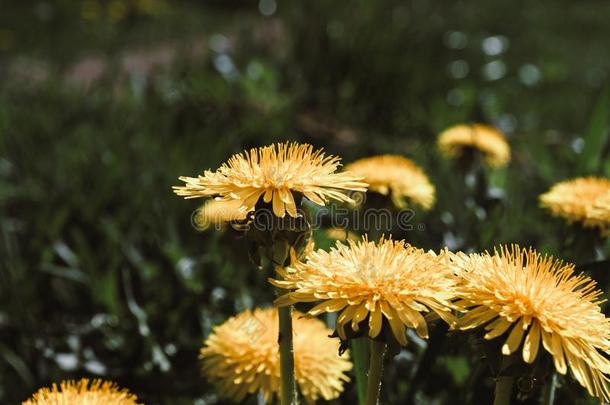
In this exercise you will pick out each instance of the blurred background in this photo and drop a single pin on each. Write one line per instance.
(103, 104)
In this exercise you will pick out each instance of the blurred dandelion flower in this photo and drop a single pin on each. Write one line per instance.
(241, 357)
(340, 234)
(218, 213)
(543, 301)
(573, 199)
(598, 214)
(396, 176)
(274, 173)
(390, 280)
(83, 392)
(453, 141)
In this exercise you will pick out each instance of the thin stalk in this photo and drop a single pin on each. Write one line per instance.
(431, 352)
(504, 384)
(549, 390)
(360, 356)
(287, 381)
(375, 371)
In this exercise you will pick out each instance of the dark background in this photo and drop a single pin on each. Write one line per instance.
(103, 104)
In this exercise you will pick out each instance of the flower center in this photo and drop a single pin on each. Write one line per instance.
(524, 305)
(275, 178)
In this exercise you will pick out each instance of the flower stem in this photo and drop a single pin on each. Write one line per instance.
(288, 384)
(504, 384)
(375, 371)
(549, 390)
(360, 355)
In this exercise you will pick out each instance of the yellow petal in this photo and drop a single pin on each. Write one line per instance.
(290, 204)
(340, 327)
(445, 314)
(422, 328)
(415, 320)
(278, 205)
(558, 357)
(514, 339)
(497, 328)
(268, 195)
(547, 341)
(328, 306)
(250, 199)
(283, 301)
(347, 314)
(398, 328)
(477, 317)
(285, 195)
(375, 322)
(531, 344)
(578, 369)
(313, 197)
(361, 313)
(386, 309)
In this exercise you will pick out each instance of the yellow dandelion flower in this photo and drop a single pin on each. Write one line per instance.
(453, 141)
(274, 173)
(83, 392)
(544, 302)
(341, 234)
(390, 280)
(218, 213)
(241, 357)
(572, 199)
(598, 214)
(396, 176)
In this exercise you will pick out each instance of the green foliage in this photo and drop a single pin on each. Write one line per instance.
(596, 138)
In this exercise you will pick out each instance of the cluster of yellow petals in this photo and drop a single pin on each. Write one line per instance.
(388, 280)
(585, 200)
(396, 176)
(532, 301)
(241, 357)
(83, 392)
(538, 301)
(488, 140)
(274, 173)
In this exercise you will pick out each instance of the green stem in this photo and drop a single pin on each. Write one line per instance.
(360, 355)
(288, 384)
(549, 390)
(375, 371)
(504, 384)
(429, 356)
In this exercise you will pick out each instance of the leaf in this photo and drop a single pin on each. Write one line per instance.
(596, 136)
(17, 363)
(68, 273)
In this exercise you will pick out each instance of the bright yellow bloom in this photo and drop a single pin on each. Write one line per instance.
(543, 301)
(341, 234)
(598, 214)
(274, 173)
(83, 392)
(488, 140)
(390, 280)
(241, 357)
(218, 213)
(396, 176)
(573, 199)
